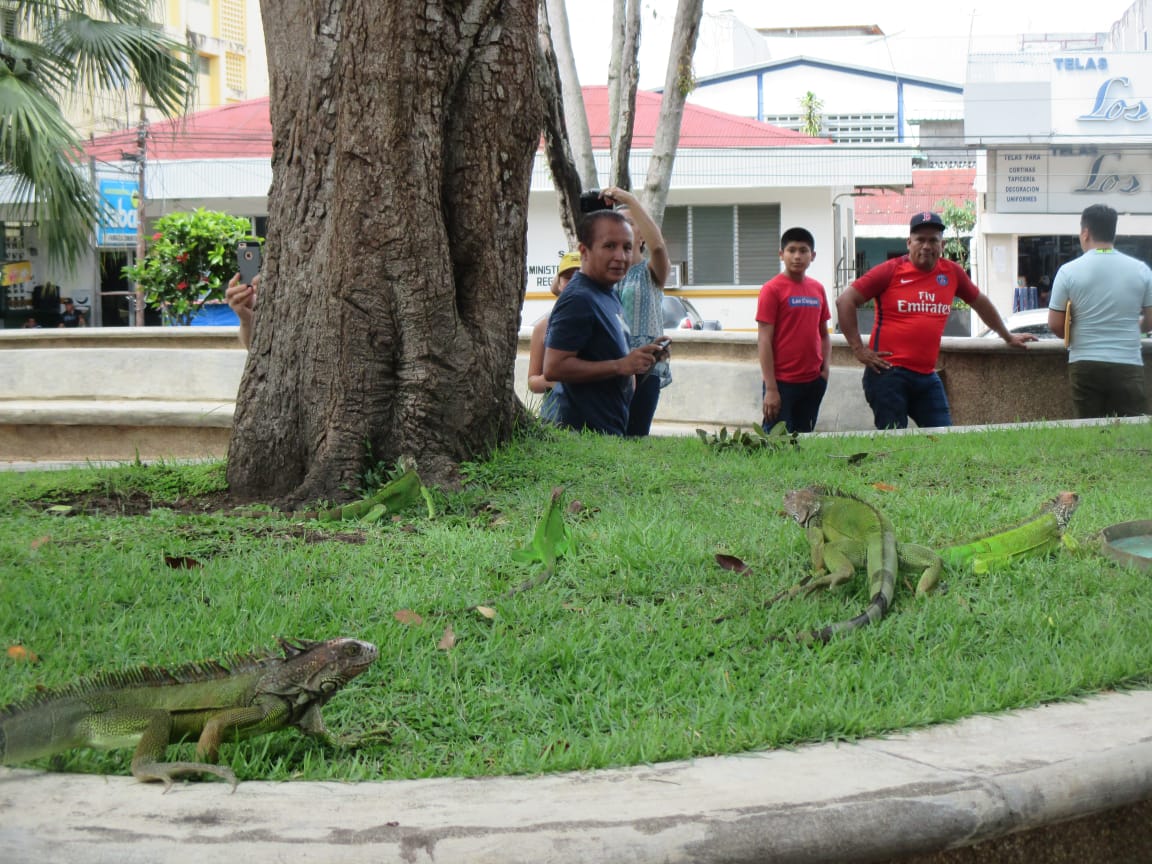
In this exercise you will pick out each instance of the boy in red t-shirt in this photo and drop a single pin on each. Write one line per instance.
(792, 317)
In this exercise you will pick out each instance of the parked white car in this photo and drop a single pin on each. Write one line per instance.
(1034, 321)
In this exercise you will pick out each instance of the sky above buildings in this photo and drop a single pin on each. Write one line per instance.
(931, 40)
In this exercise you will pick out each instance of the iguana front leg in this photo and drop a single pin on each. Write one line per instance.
(839, 560)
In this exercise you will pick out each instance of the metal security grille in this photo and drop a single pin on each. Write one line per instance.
(233, 21)
(675, 231)
(235, 71)
(758, 243)
(728, 245)
(712, 259)
(845, 128)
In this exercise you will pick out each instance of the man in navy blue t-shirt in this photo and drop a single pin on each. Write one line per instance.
(586, 347)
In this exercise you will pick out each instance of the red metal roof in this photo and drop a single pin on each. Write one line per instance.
(929, 187)
(234, 131)
(243, 129)
(700, 127)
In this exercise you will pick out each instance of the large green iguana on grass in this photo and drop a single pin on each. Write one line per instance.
(844, 533)
(150, 708)
(1036, 535)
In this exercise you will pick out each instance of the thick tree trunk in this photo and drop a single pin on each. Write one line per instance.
(678, 83)
(395, 262)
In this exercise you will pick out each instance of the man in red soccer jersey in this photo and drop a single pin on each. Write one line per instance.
(913, 297)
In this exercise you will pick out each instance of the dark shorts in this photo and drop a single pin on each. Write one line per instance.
(897, 394)
(1107, 389)
(799, 404)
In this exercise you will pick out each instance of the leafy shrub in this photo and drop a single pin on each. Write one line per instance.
(191, 259)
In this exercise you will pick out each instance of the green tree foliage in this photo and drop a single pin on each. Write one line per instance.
(959, 220)
(813, 114)
(191, 259)
(64, 49)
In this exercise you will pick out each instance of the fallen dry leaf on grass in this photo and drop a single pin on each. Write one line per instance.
(181, 562)
(20, 654)
(731, 562)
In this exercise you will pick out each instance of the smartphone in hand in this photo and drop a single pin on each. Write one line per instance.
(247, 260)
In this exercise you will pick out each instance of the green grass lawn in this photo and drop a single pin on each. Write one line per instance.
(640, 648)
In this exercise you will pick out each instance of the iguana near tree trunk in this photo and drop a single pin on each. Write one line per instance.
(844, 533)
(1037, 535)
(150, 708)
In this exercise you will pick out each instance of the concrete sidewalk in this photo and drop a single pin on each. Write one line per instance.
(937, 788)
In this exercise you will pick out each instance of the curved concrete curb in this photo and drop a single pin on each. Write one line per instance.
(941, 787)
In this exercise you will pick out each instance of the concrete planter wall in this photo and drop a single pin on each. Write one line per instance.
(108, 394)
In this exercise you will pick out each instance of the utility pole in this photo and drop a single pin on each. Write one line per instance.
(141, 245)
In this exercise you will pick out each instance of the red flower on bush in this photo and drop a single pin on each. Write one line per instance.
(190, 260)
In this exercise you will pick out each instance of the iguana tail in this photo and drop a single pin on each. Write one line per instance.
(877, 609)
(1036, 535)
(882, 563)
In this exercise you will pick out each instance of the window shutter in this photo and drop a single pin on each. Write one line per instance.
(758, 249)
(712, 235)
(675, 231)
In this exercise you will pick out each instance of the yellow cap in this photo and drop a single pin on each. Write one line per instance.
(569, 261)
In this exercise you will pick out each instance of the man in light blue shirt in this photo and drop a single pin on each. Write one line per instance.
(1102, 302)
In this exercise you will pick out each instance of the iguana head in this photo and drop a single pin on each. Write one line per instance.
(803, 504)
(313, 672)
(1062, 507)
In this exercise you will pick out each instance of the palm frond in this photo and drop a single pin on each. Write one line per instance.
(70, 47)
(109, 55)
(41, 14)
(32, 61)
(39, 152)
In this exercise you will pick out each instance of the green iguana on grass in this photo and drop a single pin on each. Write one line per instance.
(211, 701)
(1036, 535)
(845, 533)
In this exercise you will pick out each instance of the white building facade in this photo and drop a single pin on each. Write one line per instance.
(1058, 132)
(725, 212)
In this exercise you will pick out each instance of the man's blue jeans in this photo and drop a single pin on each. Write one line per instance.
(897, 394)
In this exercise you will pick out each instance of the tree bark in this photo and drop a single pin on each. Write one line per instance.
(678, 83)
(395, 261)
(564, 175)
(623, 79)
(615, 58)
(574, 115)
